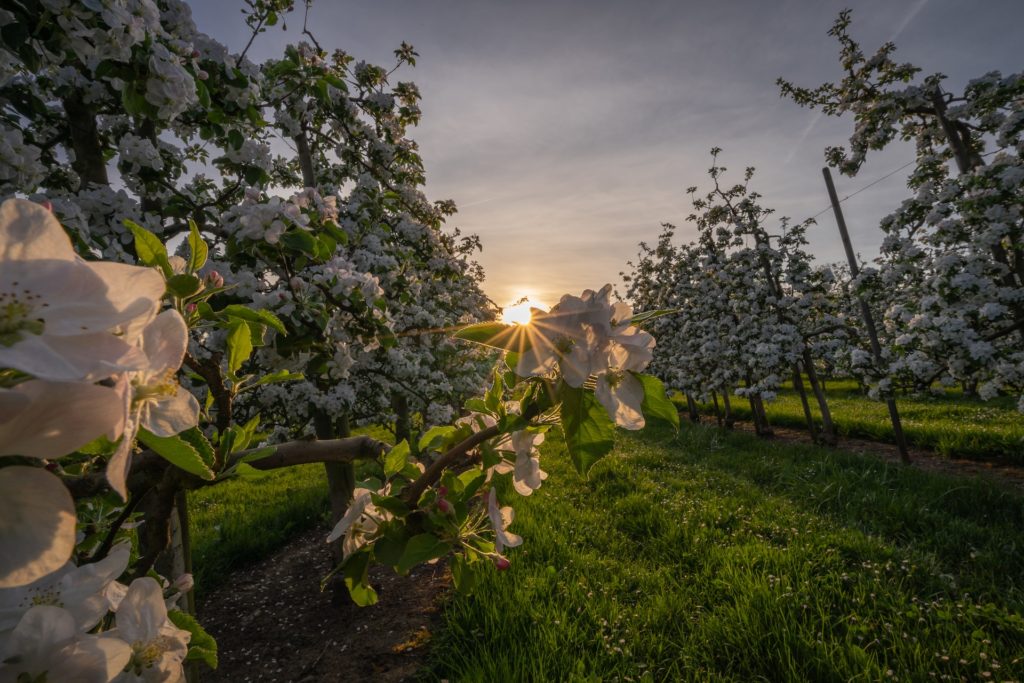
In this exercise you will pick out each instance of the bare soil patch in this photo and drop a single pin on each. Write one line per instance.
(272, 622)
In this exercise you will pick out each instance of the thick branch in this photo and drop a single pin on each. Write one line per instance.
(433, 473)
(304, 452)
(209, 370)
(85, 141)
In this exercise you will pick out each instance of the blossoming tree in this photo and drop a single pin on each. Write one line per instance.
(177, 302)
(951, 273)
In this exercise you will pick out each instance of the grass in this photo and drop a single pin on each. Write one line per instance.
(718, 556)
(238, 522)
(948, 423)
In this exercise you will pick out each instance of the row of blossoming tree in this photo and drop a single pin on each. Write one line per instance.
(754, 308)
(180, 305)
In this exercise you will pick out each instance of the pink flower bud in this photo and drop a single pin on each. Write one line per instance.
(502, 564)
(190, 308)
(297, 283)
(202, 75)
(442, 491)
(183, 583)
(213, 279)
(195, 54)
(444, 506)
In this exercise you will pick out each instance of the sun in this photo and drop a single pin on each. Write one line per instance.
(519, 313)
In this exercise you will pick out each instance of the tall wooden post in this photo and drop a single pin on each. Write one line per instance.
(865, 311)
(798, 385)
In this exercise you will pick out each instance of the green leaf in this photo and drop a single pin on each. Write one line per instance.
(239, 345)
(357, 579)
(496, 335)
(183, 285)
(492, 399)
(201, 646)
(300, 240)
(148, 247)
(254, 316)
(471, 481)
(465, 574)
(259, 453)
(392, 504)
(656, 404)
(388, 549)
(476, 405)
(589, 432)
(395, 459)
(421, 548)
(198, 251)
(280, 376)
(178, 452)
(435, 437)
(198, 441)
(651, 315)
(235, 138)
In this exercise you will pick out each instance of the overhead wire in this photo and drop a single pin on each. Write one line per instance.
(876, 181)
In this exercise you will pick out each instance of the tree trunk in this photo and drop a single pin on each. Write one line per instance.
(85, 141)
(403, 421)
(691, 406)
(730, 419)
(341, 477)
(718, 412)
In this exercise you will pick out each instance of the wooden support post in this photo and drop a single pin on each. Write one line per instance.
(865, 311)
(798, 384)
(828, 428)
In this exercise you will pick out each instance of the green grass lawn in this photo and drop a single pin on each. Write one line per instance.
(238, 522)
(717, 556)
(949, 423)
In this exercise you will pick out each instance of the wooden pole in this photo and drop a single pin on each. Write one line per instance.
(798, 384)
(865, 311)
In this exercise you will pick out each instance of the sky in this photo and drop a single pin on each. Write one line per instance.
(567, 131)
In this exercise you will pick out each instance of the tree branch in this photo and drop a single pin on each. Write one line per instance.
(304, 452)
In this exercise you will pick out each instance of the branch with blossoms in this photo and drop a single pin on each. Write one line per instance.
(578, 367)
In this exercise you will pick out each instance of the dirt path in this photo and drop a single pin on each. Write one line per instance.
(272, 623)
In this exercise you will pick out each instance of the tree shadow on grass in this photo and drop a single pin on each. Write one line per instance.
(972, 527)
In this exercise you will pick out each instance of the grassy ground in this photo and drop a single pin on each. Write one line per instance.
(717, 556)
(238, 522)
(949, 423)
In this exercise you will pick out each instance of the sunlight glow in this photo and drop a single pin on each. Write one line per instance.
(519, 314)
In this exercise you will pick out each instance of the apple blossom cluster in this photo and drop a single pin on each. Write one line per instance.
(589, 337)
(577, 364)
(85, 353)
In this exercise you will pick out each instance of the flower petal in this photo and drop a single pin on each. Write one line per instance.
(142, 612)
(164, 340)
(37, 525)
(88, 357)
(29, 231)
(621, 394)
(174, 415)
(57, 417)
